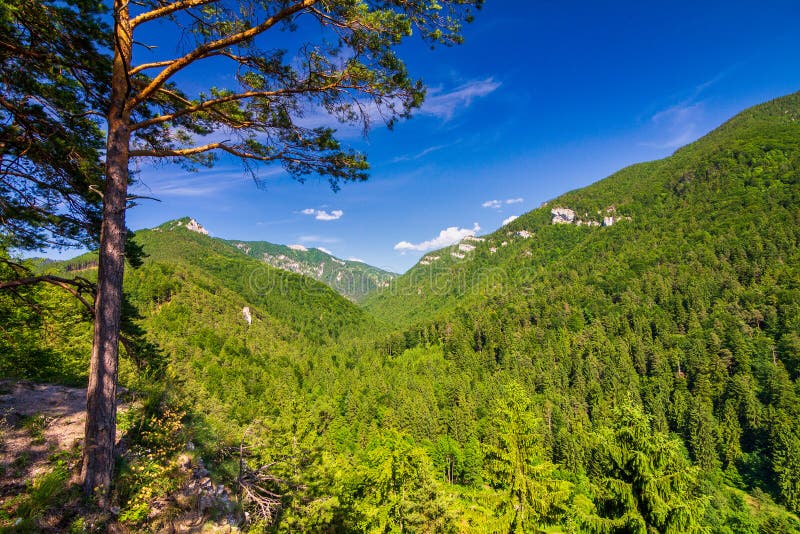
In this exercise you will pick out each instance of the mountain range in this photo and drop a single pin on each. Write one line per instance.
(624, 358)
(353, 279)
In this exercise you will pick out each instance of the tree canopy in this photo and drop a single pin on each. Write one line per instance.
(343, 64)
(54, 83)
(347, 68)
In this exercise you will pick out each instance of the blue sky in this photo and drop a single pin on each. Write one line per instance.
(542, 98)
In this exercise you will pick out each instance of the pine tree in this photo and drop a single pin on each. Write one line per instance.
(351, 73)
(645, 480)
(53, 87)
(513, 459)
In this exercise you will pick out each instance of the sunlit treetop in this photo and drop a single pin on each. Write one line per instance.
(290, 61)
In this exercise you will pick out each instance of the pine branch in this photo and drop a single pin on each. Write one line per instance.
(209, 104)
(168, 10)
(75, 286)
(204, 50)
(182, 152)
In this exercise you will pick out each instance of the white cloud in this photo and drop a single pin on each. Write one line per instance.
(446, 237)
(301, 248)
(359, 260)
(497, 204)
(445, 104)
(325, 250)
(509, 219)
(322, 215)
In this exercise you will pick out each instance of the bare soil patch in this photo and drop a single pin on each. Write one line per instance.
(37, 421)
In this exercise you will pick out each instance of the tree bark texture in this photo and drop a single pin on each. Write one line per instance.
(101, 408)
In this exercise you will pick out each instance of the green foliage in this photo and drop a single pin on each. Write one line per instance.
(786, 458)
(352, 279)
(44, 333)
(148, 471)
(304, 305)
(640, 377)
(690, 306)
(51, 142)
(644, 479)
(46, 493)
(396, 490)
(35, 425)
(515, 465)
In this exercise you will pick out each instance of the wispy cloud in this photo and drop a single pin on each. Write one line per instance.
(301, 248)
(509, 219)
(318, 239)
(359, 260)
(444, 104)
(322, 215)
(680, 124)
(325, 250)
(446, 237)
(190, 185)
(682, 112)
(165, 182)
(680, 139)
(421, 154)
(677, 125)
(497, 204)
(440, 103)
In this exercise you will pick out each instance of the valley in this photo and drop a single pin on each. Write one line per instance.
(624, 358)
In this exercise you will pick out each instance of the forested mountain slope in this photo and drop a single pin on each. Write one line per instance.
(353, 279)
(732, 192)
(688, 302)
(214, 316)
(181, 250)
(308, 306)
(640, 376)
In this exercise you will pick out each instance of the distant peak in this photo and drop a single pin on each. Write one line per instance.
(187, 222)
(195, 226)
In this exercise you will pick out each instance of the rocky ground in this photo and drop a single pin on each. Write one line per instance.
(37, 421)
(42, 424)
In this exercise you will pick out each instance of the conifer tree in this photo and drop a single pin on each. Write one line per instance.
(53, 87)
(646, 481)
(350, 72)
(514, 460)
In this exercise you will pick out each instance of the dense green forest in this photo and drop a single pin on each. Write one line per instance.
(353, 279)
(639, 375)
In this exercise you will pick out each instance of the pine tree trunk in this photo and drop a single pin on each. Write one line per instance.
(101, 406)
